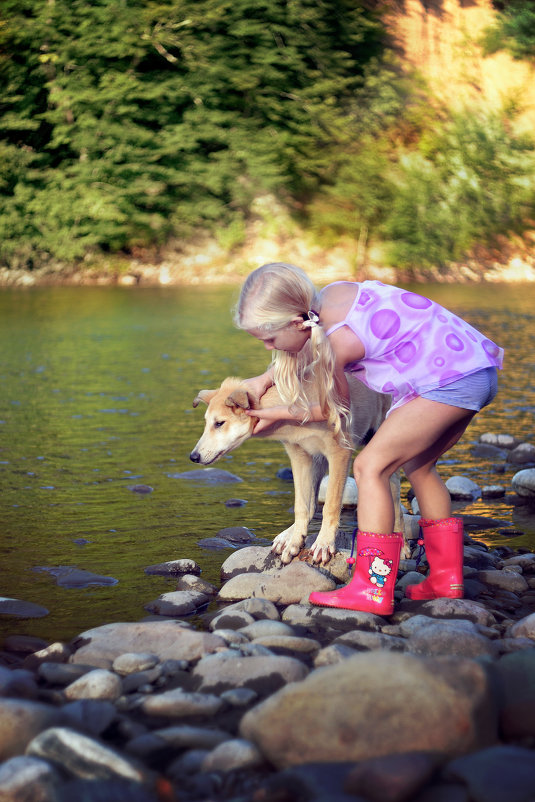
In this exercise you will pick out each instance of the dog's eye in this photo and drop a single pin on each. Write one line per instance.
(219, 423)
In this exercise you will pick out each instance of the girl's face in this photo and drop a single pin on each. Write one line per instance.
(291, 338)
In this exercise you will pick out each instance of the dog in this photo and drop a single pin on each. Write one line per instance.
(310, 446)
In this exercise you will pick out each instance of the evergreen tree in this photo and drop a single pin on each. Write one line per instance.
(124, 122)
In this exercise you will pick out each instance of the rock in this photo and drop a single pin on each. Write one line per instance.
(114, 790)
(167, 639)
(260, 609)
(251, 559)
(180, 704)
(174, 568)
(231, 755)
(350, 494)
(15, 608)
(501, 440)
(310, 782)
(239, 697)
(83, 756)
(285, 474)
(525, 561)
(525, 628)
(207, 476)
(235, 502)
(177, 603)
(61, 673)
(487, 451)
(92, 716)
(333, 654)
(506, 580)
(479, 558)
(364, 641)
(194, 584)
(453, 637)
(517, 674)
(288, 644)
(462, 488)
(287, 586)
(22, 720)
(132, 662)
(220, 672)
(330, 620)
(97, 684)
(27, 779)
(523, 483)
(393, 778)
(24, 644)
(237, 534)
(493, 491)
(498, 774)
(185, 736)
(68, 576)
(54, 653)
(231, 619)
(266, 628)
(325, 718)
(522, 454)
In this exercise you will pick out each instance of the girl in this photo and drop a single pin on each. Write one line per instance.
(439, 371)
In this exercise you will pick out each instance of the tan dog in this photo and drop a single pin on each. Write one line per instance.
(308, 446)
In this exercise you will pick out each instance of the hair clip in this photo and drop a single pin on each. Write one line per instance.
(313, 319)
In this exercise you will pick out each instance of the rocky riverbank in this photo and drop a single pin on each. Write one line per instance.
(265, 698)
(207, 261)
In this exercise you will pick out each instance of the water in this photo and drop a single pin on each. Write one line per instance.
(97, 391)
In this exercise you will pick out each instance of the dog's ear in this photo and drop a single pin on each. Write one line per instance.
(205, 396)
(239, 398)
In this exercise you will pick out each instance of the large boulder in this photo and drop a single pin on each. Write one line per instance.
(376, 704)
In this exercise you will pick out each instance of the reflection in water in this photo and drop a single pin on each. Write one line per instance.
(97, 390)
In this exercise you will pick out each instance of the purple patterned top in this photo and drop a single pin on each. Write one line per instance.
(412, 344)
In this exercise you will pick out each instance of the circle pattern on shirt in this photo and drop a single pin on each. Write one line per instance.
(385, 324)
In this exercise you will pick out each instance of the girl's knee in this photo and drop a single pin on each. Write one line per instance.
(365, 468)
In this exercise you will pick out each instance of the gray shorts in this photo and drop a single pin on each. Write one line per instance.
(474, 391)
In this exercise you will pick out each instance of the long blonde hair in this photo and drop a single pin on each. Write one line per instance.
(271, 297)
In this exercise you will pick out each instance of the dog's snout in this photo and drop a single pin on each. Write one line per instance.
(195, 456)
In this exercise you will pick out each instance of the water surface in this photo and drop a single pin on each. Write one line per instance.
(97, 385)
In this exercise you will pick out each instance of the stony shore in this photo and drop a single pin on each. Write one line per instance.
(266, 698)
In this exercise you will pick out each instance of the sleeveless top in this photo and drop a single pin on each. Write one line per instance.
(412, 344)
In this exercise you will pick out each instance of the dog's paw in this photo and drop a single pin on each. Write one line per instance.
(288, 544)
(405, 553)
(322, 552)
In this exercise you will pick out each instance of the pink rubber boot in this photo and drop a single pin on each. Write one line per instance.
(371, 589)
(443, 542)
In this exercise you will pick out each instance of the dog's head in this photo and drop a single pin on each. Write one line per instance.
(227, 426)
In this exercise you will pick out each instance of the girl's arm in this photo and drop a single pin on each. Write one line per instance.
(259, 384)
(270, 415)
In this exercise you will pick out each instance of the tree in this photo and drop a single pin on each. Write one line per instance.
(125, 122)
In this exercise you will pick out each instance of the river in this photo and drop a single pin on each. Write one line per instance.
(97, 385)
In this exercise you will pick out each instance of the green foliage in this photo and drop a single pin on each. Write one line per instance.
(126, 122)
(472, 180)
(513, 31)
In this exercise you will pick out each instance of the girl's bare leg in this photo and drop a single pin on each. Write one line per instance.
(414, 436)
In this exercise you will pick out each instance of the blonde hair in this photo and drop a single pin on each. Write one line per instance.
(271, 297)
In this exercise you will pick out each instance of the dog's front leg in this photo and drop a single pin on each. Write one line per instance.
(399, 525)
(324, 545)
(290, 542)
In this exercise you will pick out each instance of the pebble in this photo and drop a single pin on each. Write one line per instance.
(82, 756)
(271, 698)
(96, 684)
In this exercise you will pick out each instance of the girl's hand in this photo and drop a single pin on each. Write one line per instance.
(258, 385)
(268, 416)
